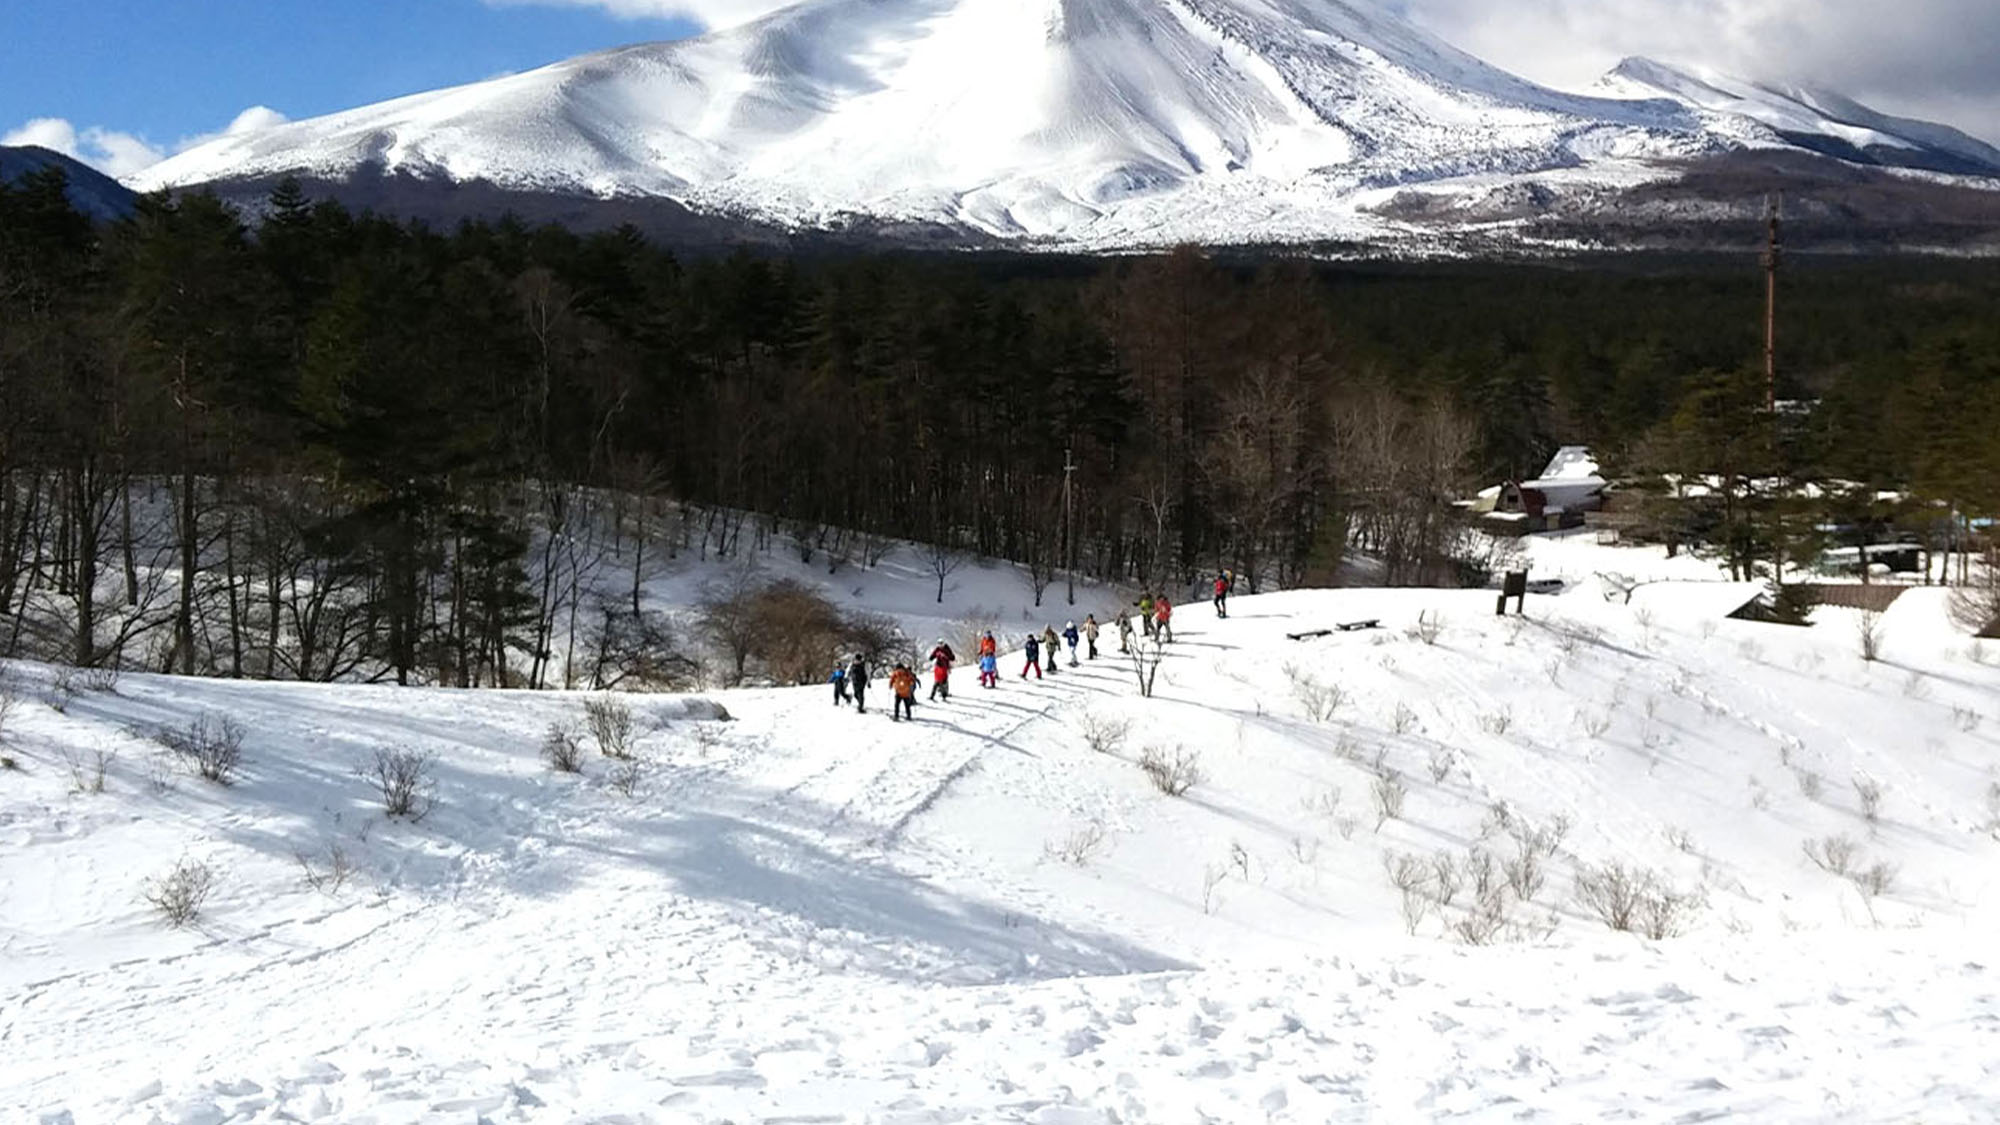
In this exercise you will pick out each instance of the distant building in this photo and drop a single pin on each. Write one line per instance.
(1570, 487)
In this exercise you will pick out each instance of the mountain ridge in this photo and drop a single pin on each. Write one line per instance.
(1079, 124)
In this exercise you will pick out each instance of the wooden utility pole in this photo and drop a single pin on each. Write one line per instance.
(1069, 534)
(1773, 208)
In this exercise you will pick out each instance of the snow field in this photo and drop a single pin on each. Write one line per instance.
(807, 914)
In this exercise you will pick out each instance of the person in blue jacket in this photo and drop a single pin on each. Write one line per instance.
(839, 682)
(1071, 637)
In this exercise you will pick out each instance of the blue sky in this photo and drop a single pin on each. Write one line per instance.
(130, 78)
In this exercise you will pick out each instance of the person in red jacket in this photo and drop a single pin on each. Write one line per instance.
(1163, 616)
(1221, 595)
(942, 659)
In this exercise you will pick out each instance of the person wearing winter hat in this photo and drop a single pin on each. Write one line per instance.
(1071, 637)
(1051, 647)
(1090, 633)
(942, 658)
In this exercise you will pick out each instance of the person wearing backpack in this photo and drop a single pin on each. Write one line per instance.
(1090, 633)
(1124, 633)
(1051, 647)
(903, 684)
(1146, 612)
(857, 683)
(1033, 648)
(1163, 616)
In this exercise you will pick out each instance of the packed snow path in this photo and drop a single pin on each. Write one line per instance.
(810, 915)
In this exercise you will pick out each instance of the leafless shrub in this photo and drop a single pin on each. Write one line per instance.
(1553, 669)
(179, 895)
(1306, 851)
(10, 698)
(1105, 734)
(1645, 618)
(1079, 847)
(1447, 879)
(626, 775)
(1612, 893)
(1429, 627)
(1832, 854)
(1416, 904)
(1497, 723)
(211, 745)
(610, 723)
(1405, 870)
(1917, 687)
(1239, 858)
(1875, 880)
(1483, 871)
(1525, 874)
(1567, 643)
(1389, 793)
(161, 775)
(1484, 922)
(1211, 884)
(326, 878)
(1966, 719)
(1868, 630)
(1405, 719)
(562, 749)
(1810, 783)
(1323, 802)
(1595, 724)
(1665, 912)
(402, 779)
(86, 775)
(1868, 792)
(97, 681)
(1440, 764)
(1682, 840)
(1173, 774)
(1320, 701)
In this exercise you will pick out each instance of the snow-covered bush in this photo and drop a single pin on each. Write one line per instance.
(1405, 719)
(1875, 880)
(1630, 899)
(1868, 630)
(1868, 793)
(86, 775)
(1832, 854)
(610, 722)
(1173, 774)
(562, 749)
(1079, 847)
(211, 745)
(627, 775)
(402, 778)
(1105, 734)
(329, 877)
(1320, 701)
(1388, 793)
(179, 895)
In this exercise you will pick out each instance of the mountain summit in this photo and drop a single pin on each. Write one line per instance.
(1087, 123)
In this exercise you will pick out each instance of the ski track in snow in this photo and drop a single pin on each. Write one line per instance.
(813, 916)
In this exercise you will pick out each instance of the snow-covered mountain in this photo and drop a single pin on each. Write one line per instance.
(1805, 117)
(1095, 123)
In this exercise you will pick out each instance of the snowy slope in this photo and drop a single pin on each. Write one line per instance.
(808, 914)
(1796, 115)
(1107, 121)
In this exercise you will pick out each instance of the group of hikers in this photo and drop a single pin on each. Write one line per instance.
(851, 677)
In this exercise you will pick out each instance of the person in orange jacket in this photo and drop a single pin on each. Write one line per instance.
(1163, 617)
(903, 683)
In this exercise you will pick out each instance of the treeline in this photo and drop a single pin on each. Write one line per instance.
(335, 445)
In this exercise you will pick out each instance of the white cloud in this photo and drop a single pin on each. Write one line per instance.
(119, 154)
(109, 151)
(708, 13)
